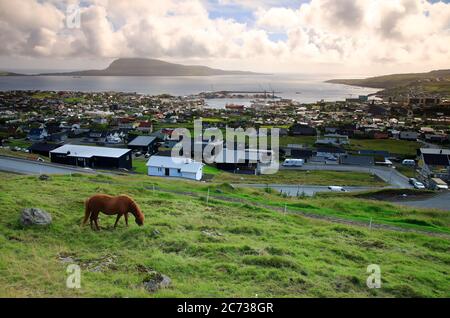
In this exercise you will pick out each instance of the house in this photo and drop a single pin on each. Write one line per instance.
(329, 153)
(298, 152)
(160, 166)
(436, 138)
(42, 148)
(58, 137)
(145, 127)
(146, 144)
(379, 154)
(357, 160)
(248, 161)
(333, 139)
(92, 157)
(435, 163)
(96, 137)
(37, 134)
(408, 135)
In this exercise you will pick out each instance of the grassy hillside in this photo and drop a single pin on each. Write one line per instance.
(231, 245)
(435, 82)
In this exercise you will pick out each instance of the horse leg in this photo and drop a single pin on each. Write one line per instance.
(94, 218)
(126, 219)
(117, 219)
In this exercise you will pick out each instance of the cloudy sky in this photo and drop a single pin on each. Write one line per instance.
(297, 36)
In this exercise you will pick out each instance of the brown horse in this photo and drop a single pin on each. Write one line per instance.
(109, 205)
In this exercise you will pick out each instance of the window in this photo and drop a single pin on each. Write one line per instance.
(179, 170)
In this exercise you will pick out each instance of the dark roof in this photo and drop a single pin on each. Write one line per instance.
(142, 141)
(42, 146)
(381, 153)
(357, 160)
(330, 150)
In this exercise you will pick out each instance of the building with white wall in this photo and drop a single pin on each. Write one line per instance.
(159, 166)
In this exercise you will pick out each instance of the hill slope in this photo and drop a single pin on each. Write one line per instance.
(223, 248)
(151, 67)
(432, 82)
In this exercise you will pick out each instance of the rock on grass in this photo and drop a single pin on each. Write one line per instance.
(34, 216)
(155, 281)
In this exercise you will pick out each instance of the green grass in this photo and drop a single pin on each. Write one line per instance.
(224, 249)
(43, 95)
(74, 100)
(406, 171)
(302, 140)
(22, 143)
(139, 166)
(322, 178)
(396, 147)
(212, 170)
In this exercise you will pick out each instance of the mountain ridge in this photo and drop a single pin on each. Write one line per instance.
(434, 82)
(150, 67)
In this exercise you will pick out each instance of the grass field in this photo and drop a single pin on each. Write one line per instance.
(320, 178)
(324, 178)
(223, 248)
(396, 147)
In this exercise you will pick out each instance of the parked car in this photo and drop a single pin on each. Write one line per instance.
(409, 162)
(412, 181)
(336, 189)
(419, 185)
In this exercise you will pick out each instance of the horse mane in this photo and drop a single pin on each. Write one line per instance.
(135, 208)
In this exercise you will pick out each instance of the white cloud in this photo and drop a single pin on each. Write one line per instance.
(345, 34)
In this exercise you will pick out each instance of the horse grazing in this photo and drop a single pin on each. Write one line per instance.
(109, 205)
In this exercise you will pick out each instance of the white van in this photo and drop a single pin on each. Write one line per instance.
(336, 189)
(294, 163)
(409, 162)
(438, 184)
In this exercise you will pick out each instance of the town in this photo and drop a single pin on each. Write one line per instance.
(132, 133)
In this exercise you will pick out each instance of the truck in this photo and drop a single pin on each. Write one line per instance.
(438, 184)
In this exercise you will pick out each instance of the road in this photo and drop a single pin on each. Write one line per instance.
(440, 201)
(298, 190)
(388, 175)
(23, 166)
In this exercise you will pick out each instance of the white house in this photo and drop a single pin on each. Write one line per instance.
(160, 166)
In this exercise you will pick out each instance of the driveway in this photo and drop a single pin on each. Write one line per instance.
(22, 166)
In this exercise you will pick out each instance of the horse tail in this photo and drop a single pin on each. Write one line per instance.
(87, 212)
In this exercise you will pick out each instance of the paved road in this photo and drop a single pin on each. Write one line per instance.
(388, 175)
(23, 166)
(440, 201)
(298, 190)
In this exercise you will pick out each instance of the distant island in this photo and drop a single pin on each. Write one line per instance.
(434, 82)
(150, 67)
(10, 74)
